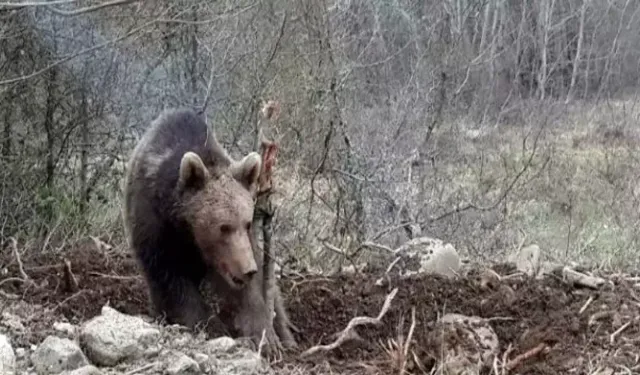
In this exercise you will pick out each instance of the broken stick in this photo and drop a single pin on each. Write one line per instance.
(263, 216)
(515, 362)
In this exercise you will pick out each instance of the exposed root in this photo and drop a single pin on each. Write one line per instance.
(357, 321)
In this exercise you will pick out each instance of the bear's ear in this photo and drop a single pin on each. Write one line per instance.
(247, 170)
(193, 173)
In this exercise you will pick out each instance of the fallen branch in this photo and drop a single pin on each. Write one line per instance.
(114, 277)
(600, 315)
(581, 279)
(526, 355)
(349, 330)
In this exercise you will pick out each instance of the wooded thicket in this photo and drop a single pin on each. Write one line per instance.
(376, 96)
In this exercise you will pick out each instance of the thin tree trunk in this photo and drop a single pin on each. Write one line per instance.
(84, 128)
(48, 126)
(576, 60)
(7, 132)
(194, 57)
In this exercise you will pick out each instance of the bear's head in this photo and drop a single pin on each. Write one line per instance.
(218, 206)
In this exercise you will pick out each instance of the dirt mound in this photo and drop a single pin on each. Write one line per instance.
(576, 324)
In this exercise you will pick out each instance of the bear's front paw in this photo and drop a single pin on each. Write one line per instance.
(254, 327)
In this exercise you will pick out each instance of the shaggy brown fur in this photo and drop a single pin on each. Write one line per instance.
(188, 211)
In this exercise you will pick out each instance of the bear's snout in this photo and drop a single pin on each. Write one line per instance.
(245, 279)
(240, 269)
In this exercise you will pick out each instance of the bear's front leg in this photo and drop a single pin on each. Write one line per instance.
(180, 301)
(248, 316)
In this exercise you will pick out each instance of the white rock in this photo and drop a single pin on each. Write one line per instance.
(85, 370)
(180, 363)
(432, 256)
(250, 363)
(113, 337)
(527, 260)
(202, 360)
(7, 356)
(220, 345)
(13, 322)
(56, 354)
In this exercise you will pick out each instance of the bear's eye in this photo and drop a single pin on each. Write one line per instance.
(248, 226)
(225, 229)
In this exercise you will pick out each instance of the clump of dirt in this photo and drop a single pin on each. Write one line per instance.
(576, 324)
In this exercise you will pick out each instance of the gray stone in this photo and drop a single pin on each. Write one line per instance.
(7, 356)
(21, 352)
(56, 354)
(222, 344)
(180, 363)
(249, 363)
(113, 337)
(202, 360)
(66, 328)
(13, 322)
(85, 370)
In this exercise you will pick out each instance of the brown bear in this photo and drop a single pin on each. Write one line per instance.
(188, 209)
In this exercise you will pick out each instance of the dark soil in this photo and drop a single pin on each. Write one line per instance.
(523, 312)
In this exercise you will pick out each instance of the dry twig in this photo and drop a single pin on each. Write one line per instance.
(114, 277)
(357, 321)
(613, 336)
(70, 281)
(407, 344)
(526, 355)
(16, 254)
(586, 304)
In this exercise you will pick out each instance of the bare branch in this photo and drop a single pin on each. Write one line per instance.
(77, 54)
(24, 4)
(90, 9)
(345, 334)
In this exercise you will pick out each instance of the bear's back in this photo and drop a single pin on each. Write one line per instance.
(154, 168)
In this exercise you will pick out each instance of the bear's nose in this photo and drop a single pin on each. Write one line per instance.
(249, 275)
